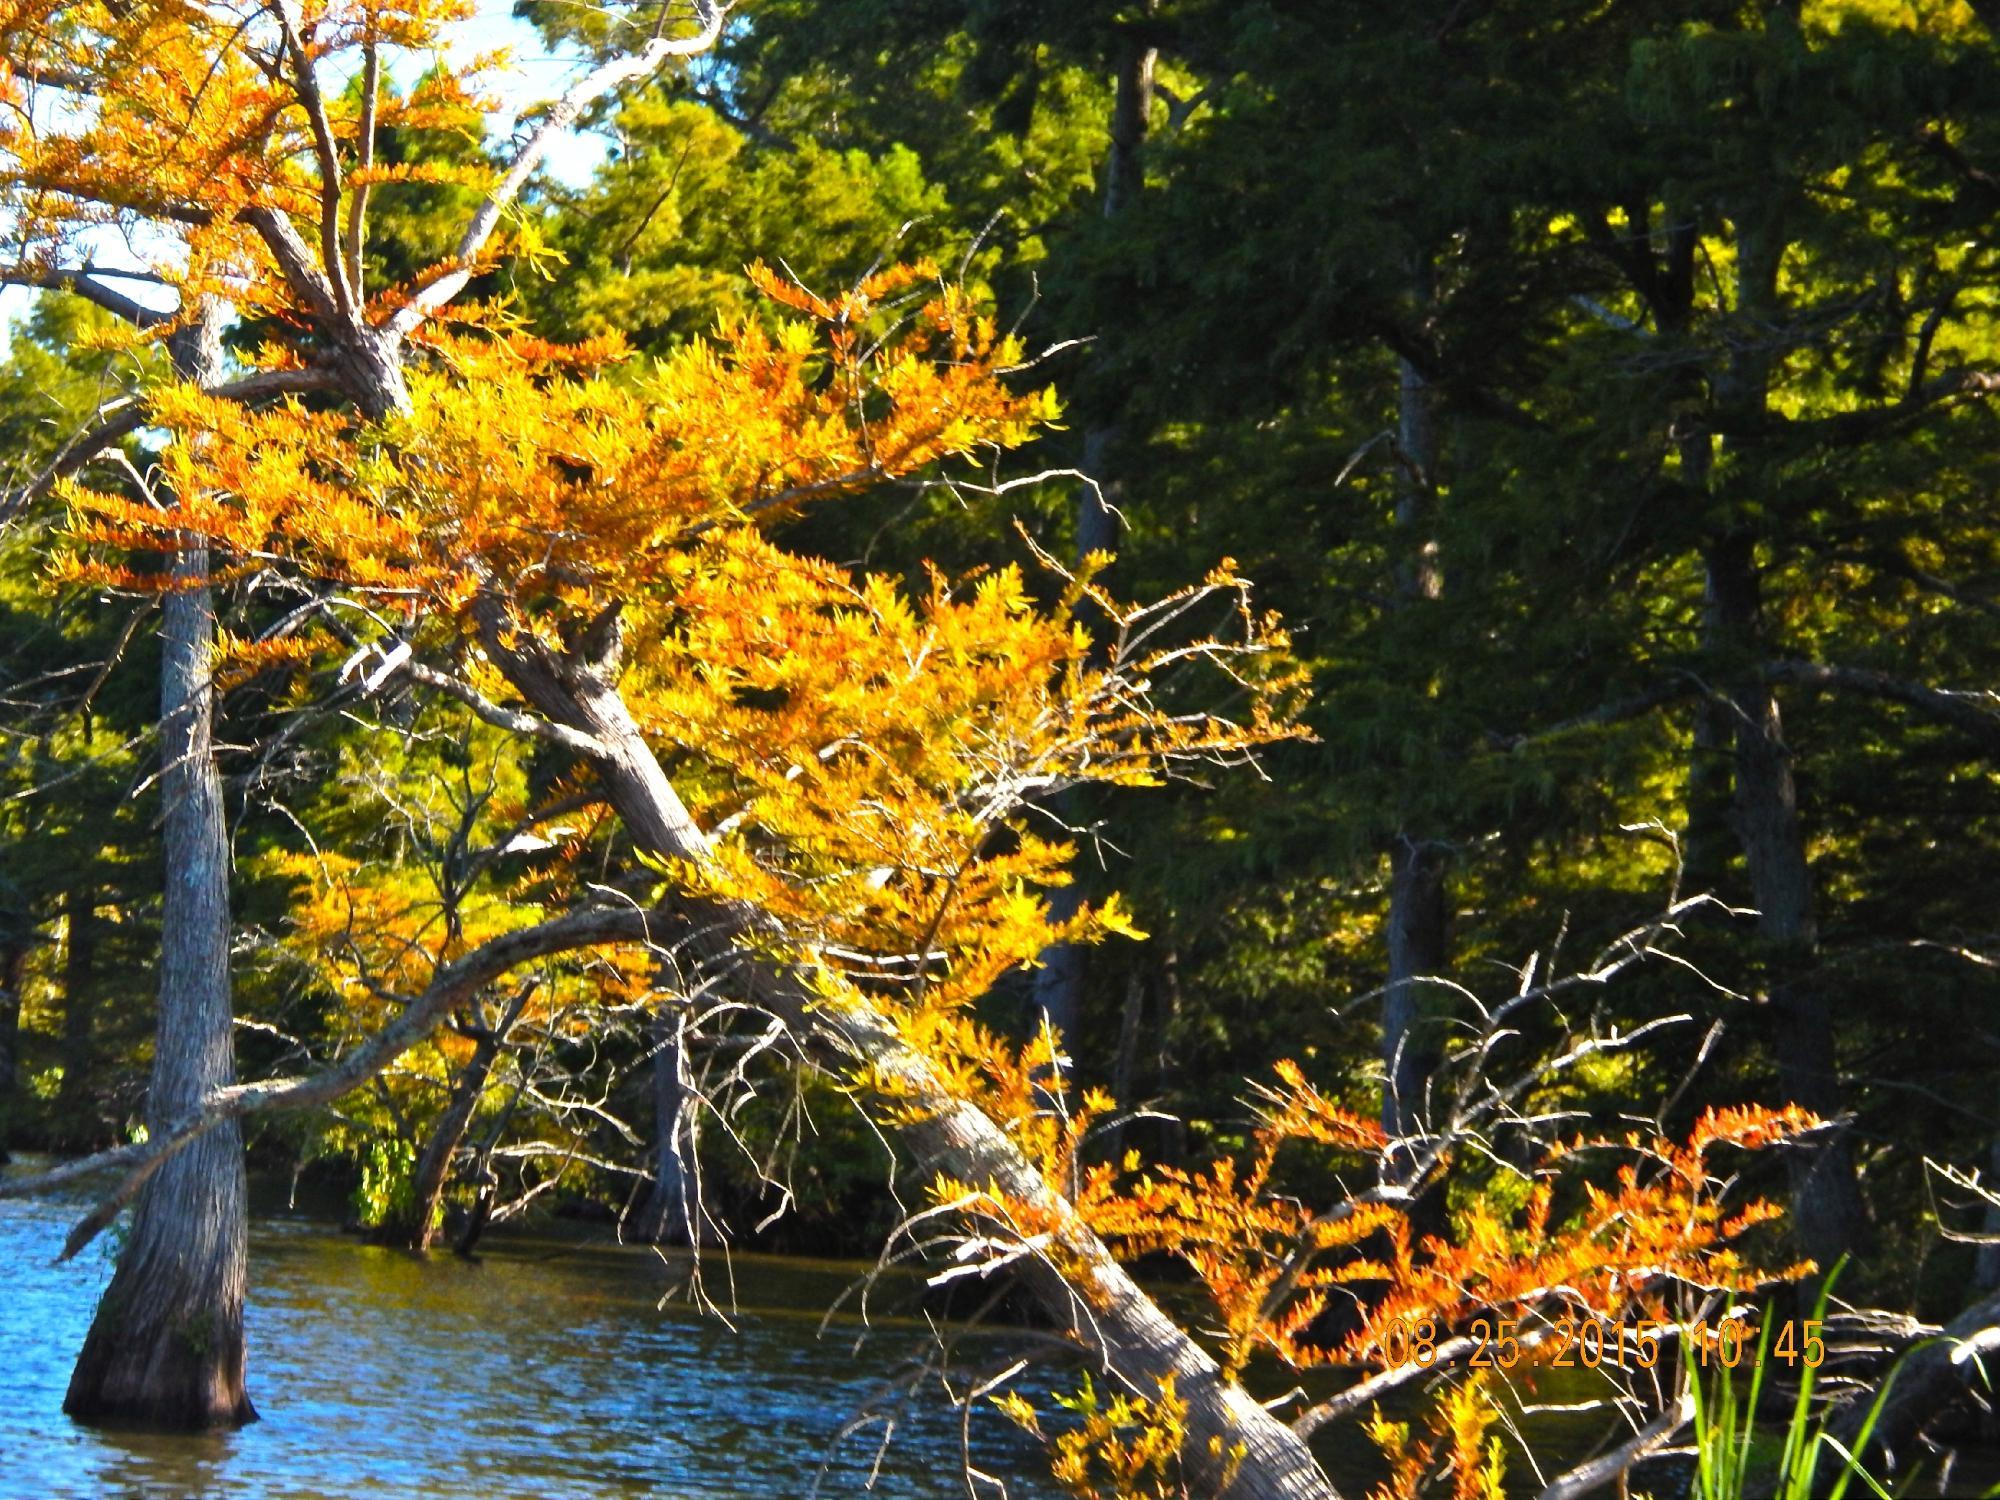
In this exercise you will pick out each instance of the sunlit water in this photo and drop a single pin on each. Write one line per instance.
(546, 1368)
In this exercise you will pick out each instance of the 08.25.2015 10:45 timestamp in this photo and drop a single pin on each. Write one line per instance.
(1594, 1343)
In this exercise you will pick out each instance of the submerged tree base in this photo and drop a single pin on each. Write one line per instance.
(166, 1347)
(167, 1385)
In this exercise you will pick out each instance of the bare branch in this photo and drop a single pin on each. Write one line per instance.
(1962, 711)
(1610, 1468)
(452, 986)
(82, 280)
(559, 117)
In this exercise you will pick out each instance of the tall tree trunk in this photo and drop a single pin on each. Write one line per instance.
(1418, 899)
(1827, 1206)
(1418, 935)
(946, 1133)
(1059, 979)
(166, 1346)
(13, 960)
(671, 1214)
(76, 1114)
(1708, 838)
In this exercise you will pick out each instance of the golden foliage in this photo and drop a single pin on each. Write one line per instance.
(1128, 1448)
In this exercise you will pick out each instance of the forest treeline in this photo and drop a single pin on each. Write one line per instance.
(1150, 543)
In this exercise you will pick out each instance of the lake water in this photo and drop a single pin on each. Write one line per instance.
(544, 1369)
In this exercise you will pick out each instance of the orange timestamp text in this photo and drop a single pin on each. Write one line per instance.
(1491, 1343)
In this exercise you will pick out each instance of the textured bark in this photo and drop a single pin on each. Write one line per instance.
(671, 1214)
(1418, 935)
(1092, 1294)
(166, 1346)
(1827, 1206)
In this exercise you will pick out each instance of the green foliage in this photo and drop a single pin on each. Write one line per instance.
(385, 1194)
(1729, 1464)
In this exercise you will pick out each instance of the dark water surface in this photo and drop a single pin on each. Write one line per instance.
(544, 1369)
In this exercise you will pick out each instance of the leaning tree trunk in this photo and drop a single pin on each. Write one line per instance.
(419, 1230)
(166, 1346)
(1093, 1296)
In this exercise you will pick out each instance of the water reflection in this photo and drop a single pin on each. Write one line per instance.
(545, 1369)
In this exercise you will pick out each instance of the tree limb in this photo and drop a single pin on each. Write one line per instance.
(1960, 710)
(1930, 1377)
(587, 90)
(82, 280)
(1608, 1468)
(130, 414)
(452, 986)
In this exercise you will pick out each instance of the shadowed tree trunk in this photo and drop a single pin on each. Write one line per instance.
(77, 1115)
(1418, 931)
(1418, 935)
(433, 1171)
(1827, 1206)
(13, 960)
(166, 1346)
(1058, 981)
(671, 1214)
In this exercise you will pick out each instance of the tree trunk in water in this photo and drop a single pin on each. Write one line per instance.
(13, 959)
(420, 1230)
(166, 1346)
(1116, 1320)
(671, 1214)
(1058, 981)
(1827, 1206)
(78, 1045)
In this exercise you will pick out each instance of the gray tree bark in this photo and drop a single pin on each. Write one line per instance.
(1418, 947)
(166, 1346)
(671, 1214)
(1419, 903)
(1827, 1207)
(78, 1044)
